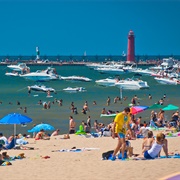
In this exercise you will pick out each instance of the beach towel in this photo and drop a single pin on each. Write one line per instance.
(177, 156)
(75, 150)
(95, 135)
(171, 156)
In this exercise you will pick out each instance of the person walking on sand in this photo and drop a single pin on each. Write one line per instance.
(120, 125)
(72, 125)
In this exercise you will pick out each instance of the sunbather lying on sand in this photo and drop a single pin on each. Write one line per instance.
(6, 157)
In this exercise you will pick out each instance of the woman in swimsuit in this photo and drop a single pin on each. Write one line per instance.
(147, 142)
(155, 150)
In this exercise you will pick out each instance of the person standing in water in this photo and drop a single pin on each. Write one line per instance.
(72, 125)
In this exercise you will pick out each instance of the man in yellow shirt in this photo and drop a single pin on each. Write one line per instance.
(120, 125)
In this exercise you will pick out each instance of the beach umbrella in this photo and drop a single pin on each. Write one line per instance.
(157, 106)
(45, 127)
(170, 107)
(138, 109)
(15, 118)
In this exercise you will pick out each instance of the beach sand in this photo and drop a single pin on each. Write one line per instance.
(85, 165)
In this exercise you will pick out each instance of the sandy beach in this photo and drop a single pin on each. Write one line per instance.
(86, 164)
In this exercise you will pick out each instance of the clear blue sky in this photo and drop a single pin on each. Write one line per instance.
(97, 27)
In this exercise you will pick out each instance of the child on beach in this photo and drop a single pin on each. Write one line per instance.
(41, 135)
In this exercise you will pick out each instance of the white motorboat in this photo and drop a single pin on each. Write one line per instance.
(41, 88)
(143, 71)
(45, 75)
(132, 84)
(76, 89)
(109, 64)
(106, 82)
(11, 74)
(115, 71)
(170, 81)
(158, 74)
(166, 64)
(19, 67)
(75, 78)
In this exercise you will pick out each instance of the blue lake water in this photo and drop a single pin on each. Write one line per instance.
(14, 89)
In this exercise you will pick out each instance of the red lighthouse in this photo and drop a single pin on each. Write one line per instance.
(131, 47)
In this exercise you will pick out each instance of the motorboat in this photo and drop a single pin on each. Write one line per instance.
(41, 88)
(42, 75)
(165, 65)
(158, 74)
(106, 82)
(114, 71)
(75, 78)
(146, 72)
(76, 89)
(11, 74)
(170, 81)
(132, 84)
(166, 75)
(19, 67)
(108, 64)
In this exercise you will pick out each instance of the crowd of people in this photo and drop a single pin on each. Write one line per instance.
(125, 126)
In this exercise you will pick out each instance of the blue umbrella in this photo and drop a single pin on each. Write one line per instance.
(45, 127)
(15, 118)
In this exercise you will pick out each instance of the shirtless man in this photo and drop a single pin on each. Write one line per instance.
(72, 125)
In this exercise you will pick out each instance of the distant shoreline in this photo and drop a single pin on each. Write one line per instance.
(54, 63)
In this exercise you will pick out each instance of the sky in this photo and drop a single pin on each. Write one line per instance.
(99, 27)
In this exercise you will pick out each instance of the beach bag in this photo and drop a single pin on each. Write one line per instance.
(107, 133)
(107, 155)
(120, 155)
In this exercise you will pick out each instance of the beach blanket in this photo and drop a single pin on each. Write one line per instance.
(177, 156)
(96, 135)
(76, 150)
(171, 156)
